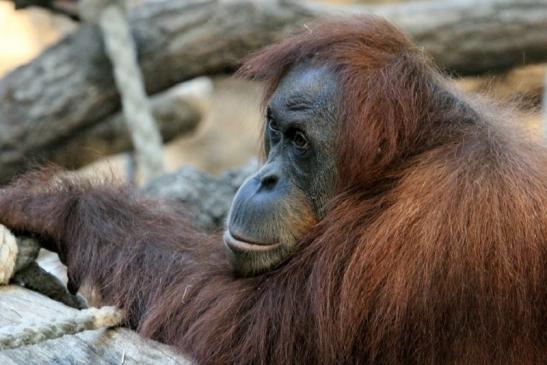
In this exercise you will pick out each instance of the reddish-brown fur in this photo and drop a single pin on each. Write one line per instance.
(433, 252)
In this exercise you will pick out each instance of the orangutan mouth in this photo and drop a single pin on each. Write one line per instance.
(238, 244)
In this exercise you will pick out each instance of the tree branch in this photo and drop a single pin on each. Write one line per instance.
(69, 87)
(67, 8)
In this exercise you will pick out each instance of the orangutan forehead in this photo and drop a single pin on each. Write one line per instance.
(305, 87)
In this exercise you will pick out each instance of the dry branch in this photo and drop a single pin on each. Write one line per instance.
(44, 104)
(177, 111)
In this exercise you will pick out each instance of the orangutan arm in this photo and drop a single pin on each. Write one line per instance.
(176, 285)
(128, 247)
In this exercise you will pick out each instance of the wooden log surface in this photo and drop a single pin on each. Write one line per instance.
(48, 102)
(19, 306)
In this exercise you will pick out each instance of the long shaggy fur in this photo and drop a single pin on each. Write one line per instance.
(434, 250)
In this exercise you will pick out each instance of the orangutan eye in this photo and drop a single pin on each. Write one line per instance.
(300, 141)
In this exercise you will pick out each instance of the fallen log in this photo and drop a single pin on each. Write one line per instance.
(21, 307)
(177, 111)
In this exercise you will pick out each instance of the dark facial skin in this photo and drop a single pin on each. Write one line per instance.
(278, 205)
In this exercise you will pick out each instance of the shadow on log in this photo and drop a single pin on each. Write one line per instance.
(205, 197)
